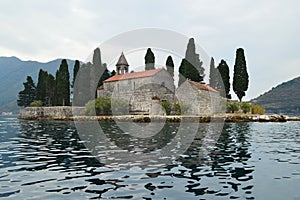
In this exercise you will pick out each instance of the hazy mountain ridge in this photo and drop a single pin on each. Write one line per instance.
(13, 74)
(284, 98)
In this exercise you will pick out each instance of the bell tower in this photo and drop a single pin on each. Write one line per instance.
(122, 65)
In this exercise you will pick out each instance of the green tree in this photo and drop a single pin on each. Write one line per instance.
(81, 90)
(95, 72)
(41, 86)
(193, 58)
(113, 73)
(63, 85)
(257, 109)
(233, 107)
(167, 106)
(246, 107)
(224, 73)
(98, 72)
(104, 74)
(26, 96)
(187, 71)
(36, 103)
(170, 66)
(149, 60)
(213, 74)
(50, 90)
(215, 79)
(240, 75)
(75, 71)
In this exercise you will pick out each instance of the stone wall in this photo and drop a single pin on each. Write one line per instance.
(200, 101)
(55, 112)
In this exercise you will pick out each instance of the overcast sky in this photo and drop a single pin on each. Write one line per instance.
(268, 31)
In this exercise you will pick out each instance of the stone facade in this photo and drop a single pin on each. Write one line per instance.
(139, 88)
(200, 99)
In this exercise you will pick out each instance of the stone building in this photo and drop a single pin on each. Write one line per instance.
(143, 90)
(139, 88)
(200, 99)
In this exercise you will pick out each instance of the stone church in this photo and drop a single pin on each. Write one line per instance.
(142, 89)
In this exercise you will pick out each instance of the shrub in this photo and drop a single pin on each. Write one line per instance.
(180, 108)
(36, 103)
(120, 106)
(106, 106)
(98, 106)
(258, 109)
(233, 107)
(246, 107)
(167, 106)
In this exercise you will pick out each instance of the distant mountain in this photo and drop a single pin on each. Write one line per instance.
(284, 98)
(13, 72)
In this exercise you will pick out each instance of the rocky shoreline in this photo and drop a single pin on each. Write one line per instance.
(68, 113)
(196, 119)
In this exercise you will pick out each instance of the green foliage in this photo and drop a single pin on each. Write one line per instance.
(233, 107)
(50, 90)
(215, 79)
(258, 109)
(149, 60)
(246, 107)
(167, 106)
(104, 74)
(170, 66)
(106, 106)
(193, 58)
(36, 103)
(98, 106)
(63, 85)
(212, 74)
(81, 90)
(224, 73)
(180, 108)
(97, 58)
(120, 106)
(41, 86)
(187, 71)
(26, 96)
(240, 76)
(75, 71)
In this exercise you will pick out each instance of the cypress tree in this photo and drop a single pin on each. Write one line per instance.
(50, 90)
(193, 58)
(170, 66)
(41, 86)
(113, 73)
(63, 84)
(75, 71)
(240, 75)
(212, 74)
(149, 60)
(104, 74)
(81, 90)
(97, 58)
(95, 72)
(187, 71)
(224, 73)
(26, 96)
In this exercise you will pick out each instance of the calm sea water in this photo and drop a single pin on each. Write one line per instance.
(48, 160)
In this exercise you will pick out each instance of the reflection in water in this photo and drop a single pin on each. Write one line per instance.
(48, 160)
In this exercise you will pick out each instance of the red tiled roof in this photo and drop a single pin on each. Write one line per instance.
(133, 75)
(202, 86)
